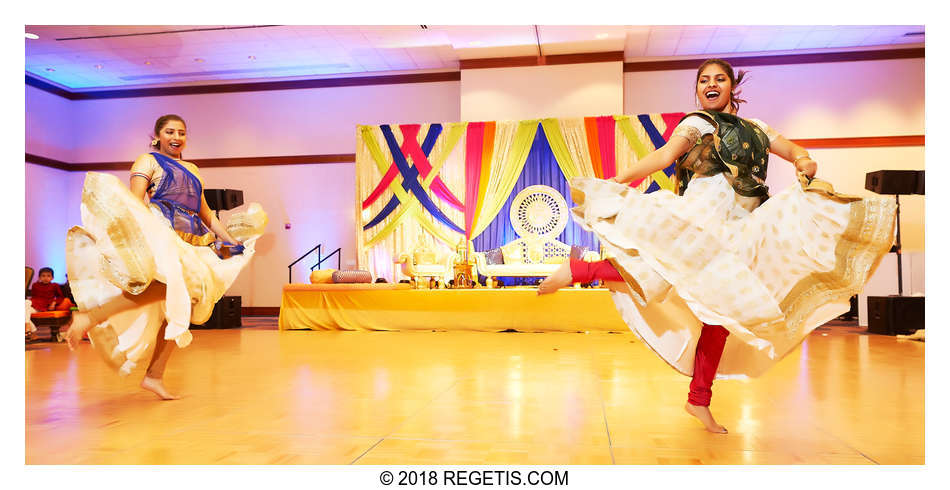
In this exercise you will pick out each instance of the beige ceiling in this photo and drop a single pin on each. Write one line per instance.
(92, 57)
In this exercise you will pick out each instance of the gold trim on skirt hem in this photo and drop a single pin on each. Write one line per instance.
(864, 243)
(196, 240)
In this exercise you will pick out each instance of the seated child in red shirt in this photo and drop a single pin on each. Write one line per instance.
(47, 295)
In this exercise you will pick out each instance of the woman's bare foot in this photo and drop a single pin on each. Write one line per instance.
(79, 324)
(155, 385)
(561, 278)
(705, 416)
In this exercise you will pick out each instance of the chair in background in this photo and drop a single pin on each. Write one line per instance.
(426, 266)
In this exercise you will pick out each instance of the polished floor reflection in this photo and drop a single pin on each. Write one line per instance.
(259, 396)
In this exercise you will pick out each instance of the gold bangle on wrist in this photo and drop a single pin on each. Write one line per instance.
(800, 158)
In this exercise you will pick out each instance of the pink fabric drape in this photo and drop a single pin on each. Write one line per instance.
(410, 148)
(606, 136)
(473, 171)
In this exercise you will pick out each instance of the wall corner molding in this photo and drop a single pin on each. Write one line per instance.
(269, 161)
(220, 88)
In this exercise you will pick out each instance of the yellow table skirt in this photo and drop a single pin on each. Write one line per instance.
(377, 307)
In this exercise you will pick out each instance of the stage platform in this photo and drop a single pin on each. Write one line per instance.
(397, 307)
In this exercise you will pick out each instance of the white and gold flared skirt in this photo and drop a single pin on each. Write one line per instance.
(122, 247)
(769, 276)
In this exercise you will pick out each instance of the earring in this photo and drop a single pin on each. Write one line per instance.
(155, 141)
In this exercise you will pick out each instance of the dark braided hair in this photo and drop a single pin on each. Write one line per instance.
(734, 100)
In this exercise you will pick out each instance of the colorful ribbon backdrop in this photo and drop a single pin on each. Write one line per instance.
(452, 179)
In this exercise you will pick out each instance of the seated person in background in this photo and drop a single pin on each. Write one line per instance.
(30, 328)
(47, 295)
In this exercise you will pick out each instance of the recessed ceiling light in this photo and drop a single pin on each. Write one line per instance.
(199, 60)
(602, 35)
(98, 67)
(148, 62)
(51, 69)
(30, 35)
(252, 57)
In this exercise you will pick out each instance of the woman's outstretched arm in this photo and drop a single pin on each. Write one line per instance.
(795, 154)
(657, 160)
(209, 219)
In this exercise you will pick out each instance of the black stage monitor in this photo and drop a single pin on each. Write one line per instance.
(899, 182)
(895, 315)
(223, 199)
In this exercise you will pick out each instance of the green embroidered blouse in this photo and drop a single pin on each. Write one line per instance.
(738, 148)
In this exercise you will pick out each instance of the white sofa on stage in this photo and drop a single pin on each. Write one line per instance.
(538, 215)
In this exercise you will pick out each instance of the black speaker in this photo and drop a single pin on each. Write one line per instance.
(895, 181)
(226, 314)
(893, 315)
(223, 199)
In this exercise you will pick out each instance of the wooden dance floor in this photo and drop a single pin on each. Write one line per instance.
(258, 395)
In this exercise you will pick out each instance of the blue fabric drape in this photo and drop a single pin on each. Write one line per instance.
(410, 178)
(539, 168)
(657, 139)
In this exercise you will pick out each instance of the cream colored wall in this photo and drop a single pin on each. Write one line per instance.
(267, 123)
(315, 216)
(493, 94)
(814, 100)
(50, 125)
(47, 218)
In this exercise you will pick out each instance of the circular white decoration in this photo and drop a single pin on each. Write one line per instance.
(539, 210)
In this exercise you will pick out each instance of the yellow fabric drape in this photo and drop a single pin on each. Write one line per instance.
(410, 207)
(633, 138)
(330, 307)
(413, 208)
(410, 226)
(507, 164)
(571, 166)
(574, 132)
(659, 176)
